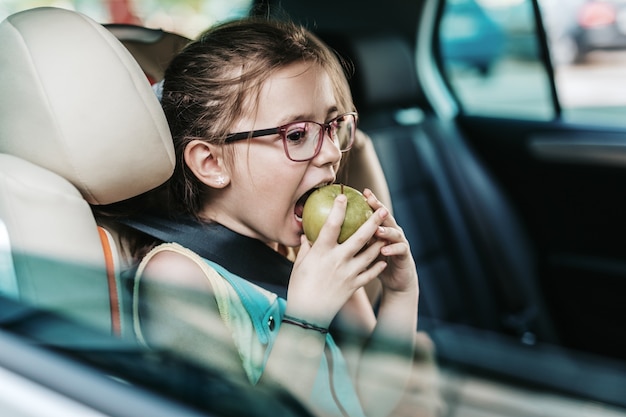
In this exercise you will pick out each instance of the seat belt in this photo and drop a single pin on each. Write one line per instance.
(248, 258)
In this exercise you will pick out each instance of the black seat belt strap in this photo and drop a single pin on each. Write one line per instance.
(241, 255)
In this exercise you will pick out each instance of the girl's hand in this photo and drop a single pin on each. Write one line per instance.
(401, 273)
(326, 274)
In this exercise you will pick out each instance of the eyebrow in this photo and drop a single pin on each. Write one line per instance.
(307, 117)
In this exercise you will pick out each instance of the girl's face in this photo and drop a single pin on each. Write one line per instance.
(266, 189)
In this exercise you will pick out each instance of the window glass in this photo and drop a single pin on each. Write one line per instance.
(587, 40)
(184, 17)
(490, 56)
(491, 59)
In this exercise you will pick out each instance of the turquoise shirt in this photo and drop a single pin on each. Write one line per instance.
(255, 329)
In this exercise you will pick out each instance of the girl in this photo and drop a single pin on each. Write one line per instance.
(261, 113)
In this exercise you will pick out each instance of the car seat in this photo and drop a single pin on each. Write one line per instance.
(79, 126)
(474, 260)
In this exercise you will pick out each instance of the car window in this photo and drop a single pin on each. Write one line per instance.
(490, 53)
(587, 41)
(491, 59)
(184, 17)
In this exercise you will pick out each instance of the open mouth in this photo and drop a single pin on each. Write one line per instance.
(299, 208)
(300, 204)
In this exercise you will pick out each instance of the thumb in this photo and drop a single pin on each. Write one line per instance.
(305, 246)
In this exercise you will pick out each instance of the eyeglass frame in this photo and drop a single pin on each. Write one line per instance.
(325, 129)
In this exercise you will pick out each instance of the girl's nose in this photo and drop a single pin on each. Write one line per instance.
(329, 152)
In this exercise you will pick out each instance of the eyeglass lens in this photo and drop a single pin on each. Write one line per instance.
(302, 139)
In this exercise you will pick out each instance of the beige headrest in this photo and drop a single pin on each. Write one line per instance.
(73, 100)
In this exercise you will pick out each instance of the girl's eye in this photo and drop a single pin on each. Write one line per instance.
(296, 134)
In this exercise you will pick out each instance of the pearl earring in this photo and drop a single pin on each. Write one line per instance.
(220, 180)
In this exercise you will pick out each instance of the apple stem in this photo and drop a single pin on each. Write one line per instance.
(341, 188)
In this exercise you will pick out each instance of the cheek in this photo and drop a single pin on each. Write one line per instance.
(260, 170)
(279, 177)
(252, 164)
(263, 168)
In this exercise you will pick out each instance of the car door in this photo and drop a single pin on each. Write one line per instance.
(553, 134)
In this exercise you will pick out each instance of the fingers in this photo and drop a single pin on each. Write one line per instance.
(375, 204)
(390, 234)
(381, 225)
(329, 232)
(370, 274)
(389, 231)
(371, 199)
(305, 246)
(332, 227)
(396, 249)
(396, 243)
(367, 231)
(371, 252)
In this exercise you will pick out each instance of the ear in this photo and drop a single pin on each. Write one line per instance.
(206, 162)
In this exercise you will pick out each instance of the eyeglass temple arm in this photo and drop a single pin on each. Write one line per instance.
(252, 134)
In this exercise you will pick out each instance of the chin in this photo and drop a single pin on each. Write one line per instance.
(294, 242)
(293, 238)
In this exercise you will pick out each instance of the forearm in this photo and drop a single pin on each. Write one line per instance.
(387, 358)
(352, 326)
(397, 316)
(295, 360)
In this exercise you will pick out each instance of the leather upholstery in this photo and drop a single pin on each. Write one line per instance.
(476, 264)
(75, 102)
(79, 125)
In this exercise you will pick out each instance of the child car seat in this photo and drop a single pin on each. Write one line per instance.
(79, 126)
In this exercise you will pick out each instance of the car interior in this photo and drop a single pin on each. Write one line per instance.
(479, 275)
(474, 262)
(63, 267)
(72, 156)
(482, 228)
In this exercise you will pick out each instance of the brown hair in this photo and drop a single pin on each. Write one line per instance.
(207, 87)
(217, 78)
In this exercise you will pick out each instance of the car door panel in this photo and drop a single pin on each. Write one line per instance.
(567, 182)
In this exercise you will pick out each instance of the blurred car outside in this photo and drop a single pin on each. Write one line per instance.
(576, 28)
(469, 36)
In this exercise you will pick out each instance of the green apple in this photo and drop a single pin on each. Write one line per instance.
(318, 206)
